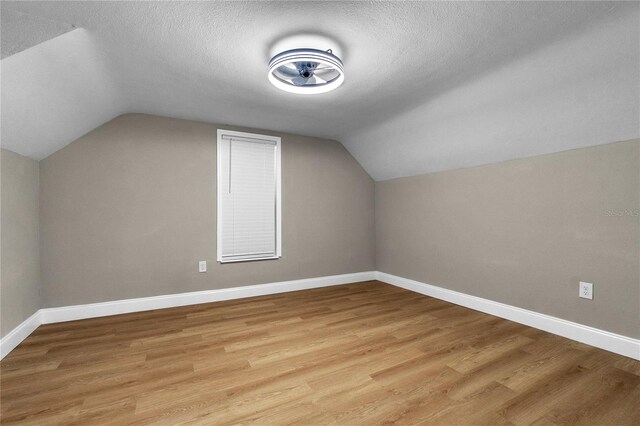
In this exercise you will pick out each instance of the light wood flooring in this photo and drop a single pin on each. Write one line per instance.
(359, 354)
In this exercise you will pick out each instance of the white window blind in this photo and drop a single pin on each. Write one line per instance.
(248, 196)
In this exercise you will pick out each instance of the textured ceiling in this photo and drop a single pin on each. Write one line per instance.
(430, 85)
(19, 31)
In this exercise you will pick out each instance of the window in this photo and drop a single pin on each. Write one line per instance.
(248, 197)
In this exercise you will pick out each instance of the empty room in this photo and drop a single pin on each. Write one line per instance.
(320, 213)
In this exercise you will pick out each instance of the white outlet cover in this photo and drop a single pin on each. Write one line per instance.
(202, 266)
(586, 290)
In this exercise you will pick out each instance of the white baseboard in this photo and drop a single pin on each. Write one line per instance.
(93, 310)
(612, 342)
(616, 343)
(18, 334)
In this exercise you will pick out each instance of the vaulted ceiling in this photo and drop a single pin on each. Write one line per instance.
(429, 85)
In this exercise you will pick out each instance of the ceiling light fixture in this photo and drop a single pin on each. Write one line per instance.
(306, 71)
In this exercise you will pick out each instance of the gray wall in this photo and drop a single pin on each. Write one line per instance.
(129, 209)
(20, 264)
(524, 232)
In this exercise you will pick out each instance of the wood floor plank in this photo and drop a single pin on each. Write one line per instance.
(365, 353)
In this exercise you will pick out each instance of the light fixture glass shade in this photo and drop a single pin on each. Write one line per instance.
(306, 71)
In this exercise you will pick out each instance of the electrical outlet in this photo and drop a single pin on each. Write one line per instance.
(586, 290)
(202, 266)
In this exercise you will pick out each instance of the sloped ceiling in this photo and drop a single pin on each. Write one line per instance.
(20, 31)
(430, 85)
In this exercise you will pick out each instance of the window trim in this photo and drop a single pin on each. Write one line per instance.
(277, 140)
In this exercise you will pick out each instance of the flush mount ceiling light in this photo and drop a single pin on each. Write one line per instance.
(306, 71)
